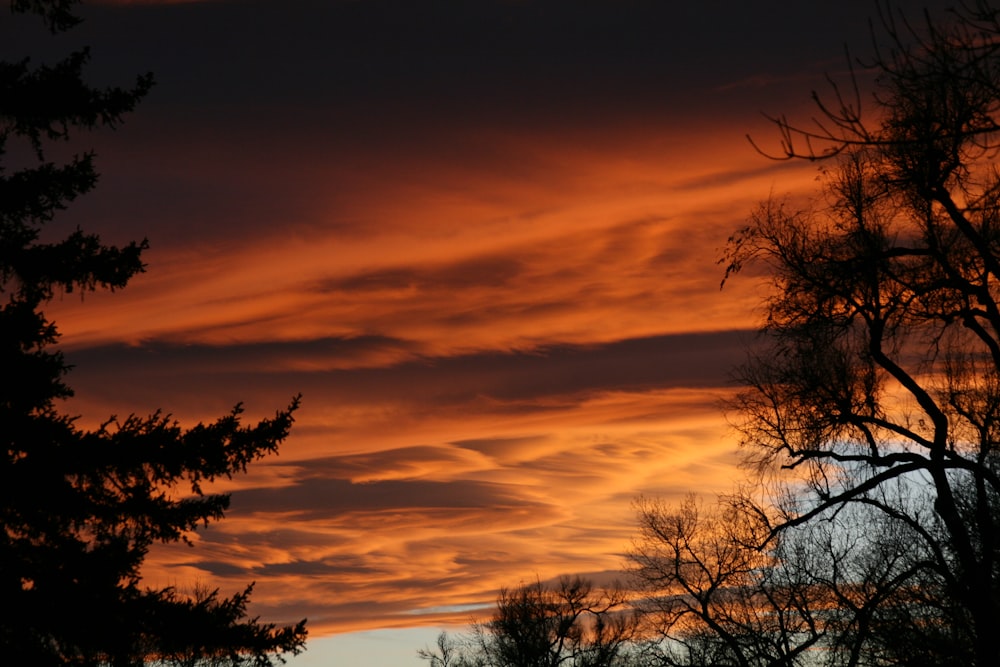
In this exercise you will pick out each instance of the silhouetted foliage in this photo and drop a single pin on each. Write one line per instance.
(878, 382)
(721, 591)
(80, 509)
(715, 597)
(535, 625)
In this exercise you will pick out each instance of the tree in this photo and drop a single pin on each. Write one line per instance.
(80, 509)
(715, 598)
(540, 626)
(721, 591)
(877, 381)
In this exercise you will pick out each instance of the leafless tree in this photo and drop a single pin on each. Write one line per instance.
(536, 625)
(877, 382)
(721, 591)
(715, 598)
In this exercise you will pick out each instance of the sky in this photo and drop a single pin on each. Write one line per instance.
(479, 237)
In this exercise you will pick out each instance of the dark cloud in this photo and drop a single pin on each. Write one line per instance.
(513, 52)
(343, 567)
(496, 446)
(280, 88)
(729, 177)
(162, 358)
(318, 497)
(488, 271)
(398, 463)
(129, 374)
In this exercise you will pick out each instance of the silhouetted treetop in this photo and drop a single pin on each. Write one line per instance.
(79, 509)
(57, 14)
(568, 623)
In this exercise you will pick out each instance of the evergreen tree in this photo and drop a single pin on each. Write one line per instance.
(80, 509)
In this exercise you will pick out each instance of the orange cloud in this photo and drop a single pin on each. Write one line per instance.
(486, 259)
(403, 526)
(583, 247)
(497, 353)
(503, 333)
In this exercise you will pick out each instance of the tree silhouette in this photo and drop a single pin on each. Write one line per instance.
(719, 592)
(536, 625)
(80, 509)
(878, 381)
(714, 596)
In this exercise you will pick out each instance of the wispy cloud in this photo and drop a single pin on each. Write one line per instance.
(434, 482)
(479, 238)
(493, 366)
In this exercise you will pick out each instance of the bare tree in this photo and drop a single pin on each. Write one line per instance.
(450, 652)
(720, 591)
(712, 600)
(537, 625)
(877, 382)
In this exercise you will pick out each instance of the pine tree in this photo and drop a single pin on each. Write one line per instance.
(80, 509)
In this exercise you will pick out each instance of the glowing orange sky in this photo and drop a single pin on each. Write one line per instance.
(589, 247)
(494, 282)
(471, 417)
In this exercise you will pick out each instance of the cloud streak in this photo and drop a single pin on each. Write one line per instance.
(435, 481)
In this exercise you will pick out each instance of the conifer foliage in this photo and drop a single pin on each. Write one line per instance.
(79, 510)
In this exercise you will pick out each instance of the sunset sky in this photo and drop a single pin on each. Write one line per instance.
(478, 236)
